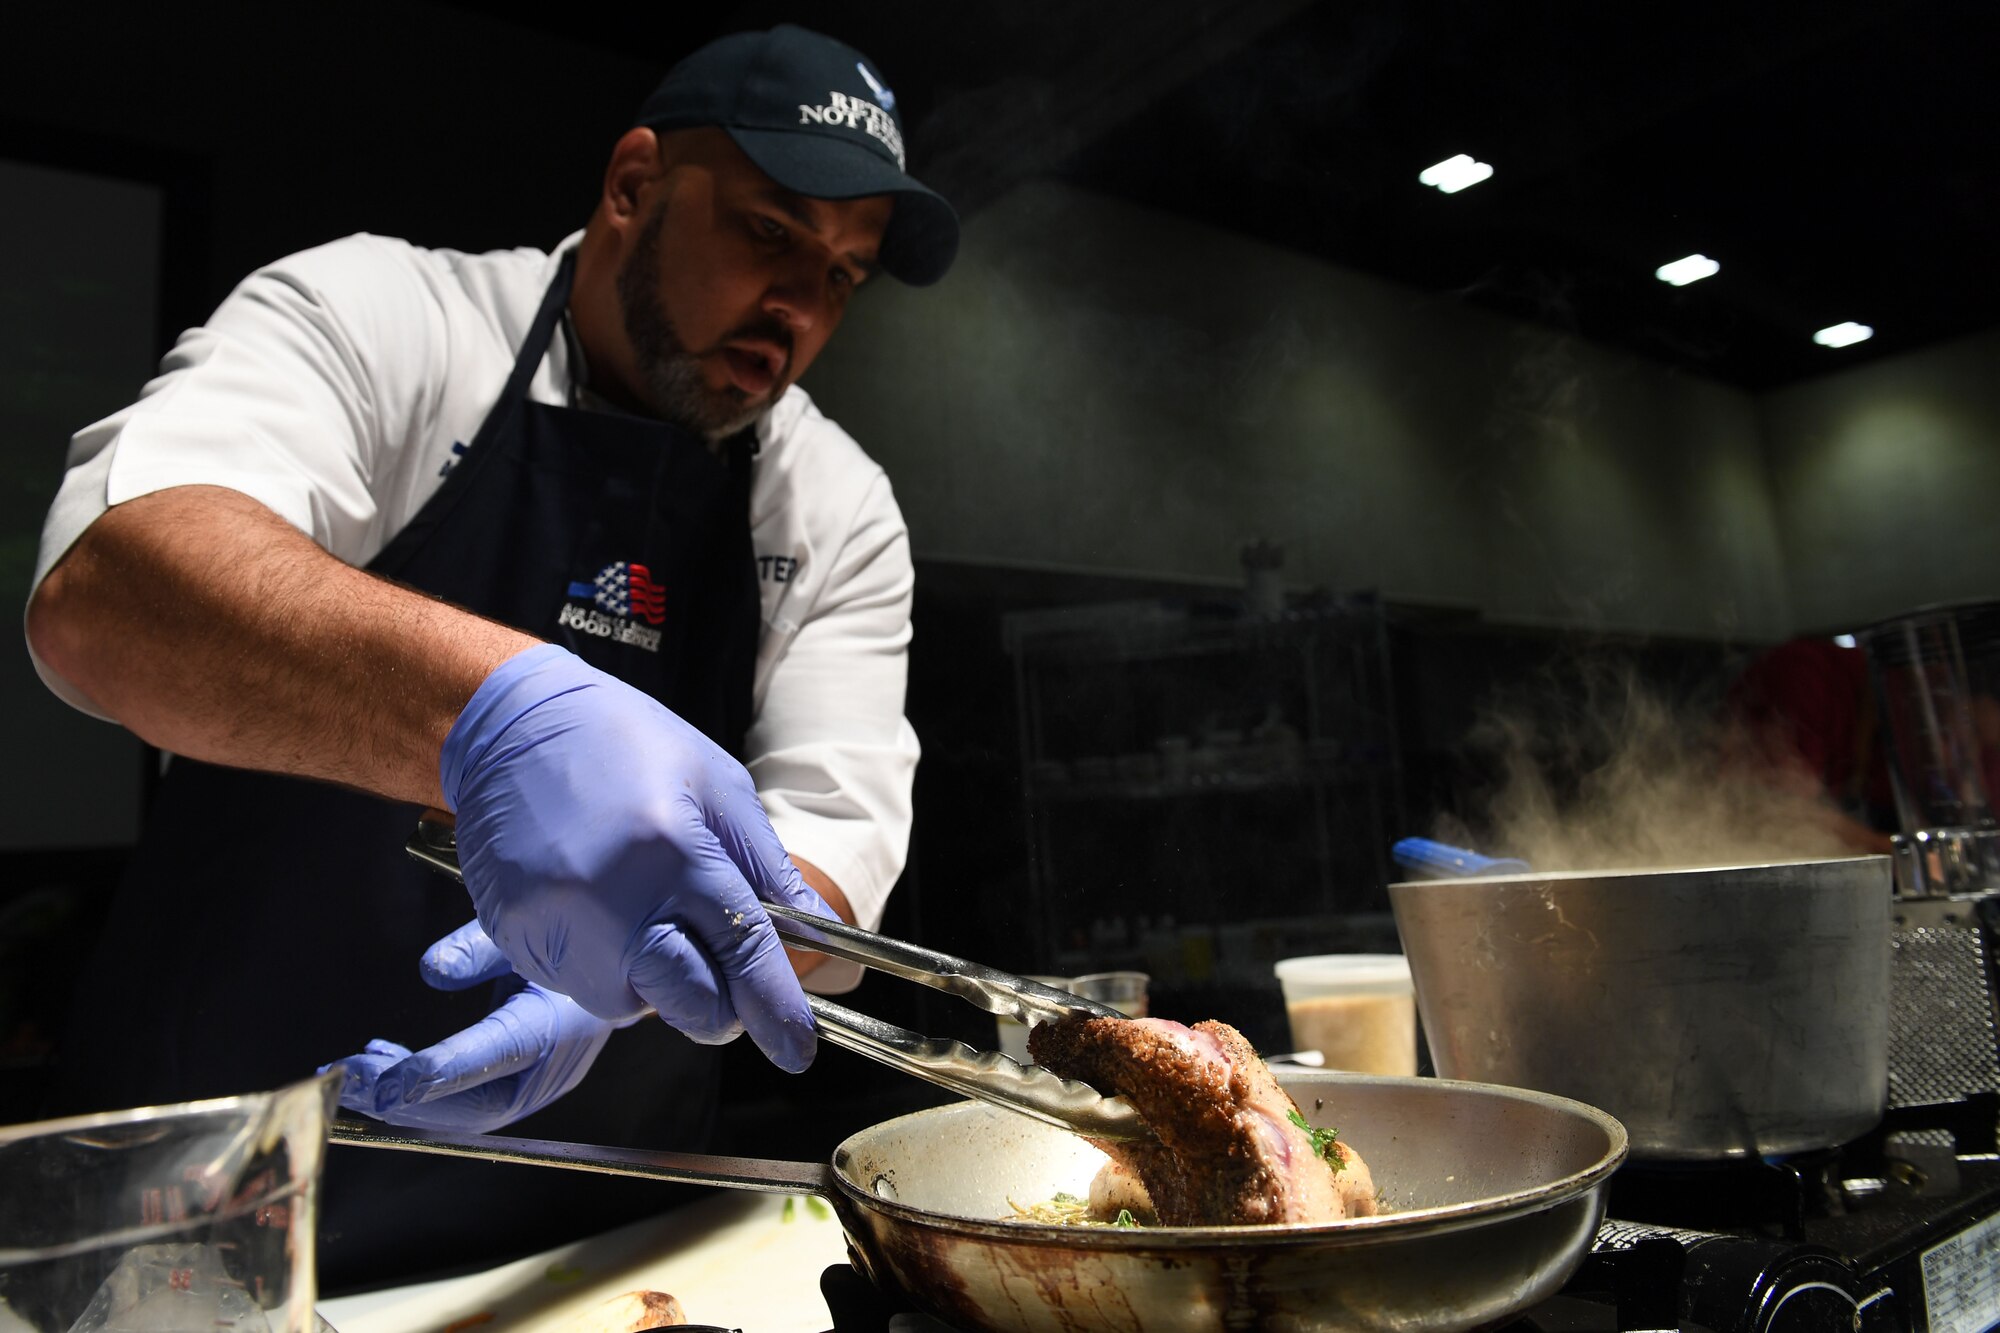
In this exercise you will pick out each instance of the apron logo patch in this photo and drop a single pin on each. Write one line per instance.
(614, 602)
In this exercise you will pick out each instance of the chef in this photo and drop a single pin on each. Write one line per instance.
(553, 542)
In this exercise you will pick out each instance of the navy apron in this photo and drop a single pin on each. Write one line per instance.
(270, 924)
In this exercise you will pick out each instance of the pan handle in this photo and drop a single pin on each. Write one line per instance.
(734, 1173)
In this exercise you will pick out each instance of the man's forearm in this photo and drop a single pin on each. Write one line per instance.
(214, 629)
(805, 960)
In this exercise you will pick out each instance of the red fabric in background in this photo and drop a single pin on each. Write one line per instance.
(1805, 703)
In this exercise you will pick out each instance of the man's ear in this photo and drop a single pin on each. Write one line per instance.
(635, 164)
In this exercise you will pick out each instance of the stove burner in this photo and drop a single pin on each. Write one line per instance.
(1775, 1197)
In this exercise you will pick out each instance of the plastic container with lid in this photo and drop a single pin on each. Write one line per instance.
(1358, 1010)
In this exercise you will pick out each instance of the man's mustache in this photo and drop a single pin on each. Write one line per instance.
(767, 329)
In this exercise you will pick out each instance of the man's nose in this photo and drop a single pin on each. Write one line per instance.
(799, 296)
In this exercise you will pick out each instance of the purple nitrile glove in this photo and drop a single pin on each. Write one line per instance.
(617, 855)
(531, 1050)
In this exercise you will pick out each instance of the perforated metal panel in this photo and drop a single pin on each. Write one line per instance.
(1942, 1042)
(1613, 1235)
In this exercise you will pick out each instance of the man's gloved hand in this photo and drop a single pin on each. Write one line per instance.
(528, 1052)
(617, 855)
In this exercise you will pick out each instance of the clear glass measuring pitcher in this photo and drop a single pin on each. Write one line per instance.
(167, 1219)
(1937, 675)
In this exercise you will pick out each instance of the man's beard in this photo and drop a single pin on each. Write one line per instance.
(670, 375)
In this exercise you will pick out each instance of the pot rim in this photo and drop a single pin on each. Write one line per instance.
(1637, 872)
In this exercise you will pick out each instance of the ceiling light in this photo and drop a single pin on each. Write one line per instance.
(1684, 271)
(1455, 173)
(1840, 335)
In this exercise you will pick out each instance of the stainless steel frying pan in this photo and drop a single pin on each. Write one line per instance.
(1493, 1195)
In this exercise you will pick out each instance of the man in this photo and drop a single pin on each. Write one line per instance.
(542, 540)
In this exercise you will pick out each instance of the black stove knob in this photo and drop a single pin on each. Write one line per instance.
(1745, 1286)
(1813, 1307)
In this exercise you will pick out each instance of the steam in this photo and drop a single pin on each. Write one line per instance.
(1616, 775)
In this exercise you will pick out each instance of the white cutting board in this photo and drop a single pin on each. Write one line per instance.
(738, 1259)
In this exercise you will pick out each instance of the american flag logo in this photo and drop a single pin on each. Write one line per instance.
(625, 589)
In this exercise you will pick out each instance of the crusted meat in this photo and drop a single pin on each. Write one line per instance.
(1228, 1151)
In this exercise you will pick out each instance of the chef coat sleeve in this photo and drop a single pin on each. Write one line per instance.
(287, 395)
(832, 754)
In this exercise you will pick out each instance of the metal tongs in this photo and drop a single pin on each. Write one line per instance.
(987, 1075)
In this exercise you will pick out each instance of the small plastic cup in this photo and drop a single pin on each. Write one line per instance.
(1358, 1010)
(1124, 991)
(1012, 1039)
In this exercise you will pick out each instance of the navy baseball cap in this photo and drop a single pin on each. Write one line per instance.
(816, 117)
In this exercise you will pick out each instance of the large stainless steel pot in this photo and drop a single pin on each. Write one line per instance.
(1494, 1195)
(1720, 1012)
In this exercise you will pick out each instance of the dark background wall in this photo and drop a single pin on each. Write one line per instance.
(301, 123)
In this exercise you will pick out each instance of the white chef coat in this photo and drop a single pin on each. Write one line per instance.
(338, 387)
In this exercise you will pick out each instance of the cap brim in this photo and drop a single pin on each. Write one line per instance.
(922, 237)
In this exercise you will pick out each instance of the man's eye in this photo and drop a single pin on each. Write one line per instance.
(771, 228)
(843, 279)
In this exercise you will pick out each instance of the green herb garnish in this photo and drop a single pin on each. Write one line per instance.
(1325, 1141)
(1068, 1210)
